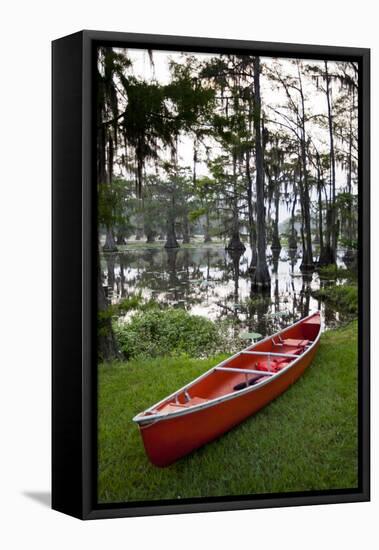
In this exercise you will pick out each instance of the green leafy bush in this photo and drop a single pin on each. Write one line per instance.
(122, 308)
(167, 332)
(334, 272)
(343, 297)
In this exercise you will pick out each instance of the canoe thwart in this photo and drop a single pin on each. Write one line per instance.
(272, 353)
(245, 371)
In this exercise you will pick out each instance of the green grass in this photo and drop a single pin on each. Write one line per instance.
(304, 440)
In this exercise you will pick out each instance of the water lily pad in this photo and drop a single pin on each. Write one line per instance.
(278, 314)
(250, 336)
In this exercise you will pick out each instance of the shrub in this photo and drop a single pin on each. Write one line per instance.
(343, 297)
(334, 272)
(167, 332)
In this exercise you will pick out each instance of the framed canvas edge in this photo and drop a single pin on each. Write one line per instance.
(91, 510)
(67, 366)
(207, 43)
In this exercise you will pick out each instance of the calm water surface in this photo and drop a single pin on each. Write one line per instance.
(209, 281)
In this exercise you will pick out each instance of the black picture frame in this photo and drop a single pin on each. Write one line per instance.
(74, 268)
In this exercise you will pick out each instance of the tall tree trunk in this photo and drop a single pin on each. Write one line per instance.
(186, 228)
(261, 277)
(106, 344)
(292, 242)
(349, 254)
(207, 236)
(150, 235)
(121, 239)
(110, 243)
(171, 241)
(236, 256)
(122, 277)
(322, 260)
(349, 173)
(307, 260)
(139, 221)
(332, 216)
(252, 227)
(302, 233)
(250, 202)
(276, 244)
(235, 242)
(194, 177)
(139, 233)
(328, 252)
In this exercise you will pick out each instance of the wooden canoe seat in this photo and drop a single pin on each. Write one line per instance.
(180, 406)
(295, 343)
(291, 342)
(170, 407)
(195, 401)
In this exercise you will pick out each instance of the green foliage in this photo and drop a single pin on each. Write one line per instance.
(156, 114)
(193, 102)
(334, 272)
(346, 201)
(121, 308)
(147, 117)
(304, 440)
(196, 214)
(341, 297)
(110, 65)
(151, 208)
(167, 332)
(111, 203)
(125, 306)
(349, 243)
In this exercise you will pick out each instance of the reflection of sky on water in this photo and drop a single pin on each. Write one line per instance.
(207, 281)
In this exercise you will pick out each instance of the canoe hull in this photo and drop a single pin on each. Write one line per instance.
(167, 440)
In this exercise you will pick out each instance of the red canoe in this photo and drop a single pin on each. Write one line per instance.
(228, 393)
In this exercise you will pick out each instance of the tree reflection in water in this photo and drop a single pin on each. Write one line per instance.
(215, 283)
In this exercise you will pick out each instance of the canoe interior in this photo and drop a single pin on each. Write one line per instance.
(294, 340)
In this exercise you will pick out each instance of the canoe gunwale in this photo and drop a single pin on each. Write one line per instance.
(146, 421)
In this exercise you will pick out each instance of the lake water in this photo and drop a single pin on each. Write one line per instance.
(206, 280)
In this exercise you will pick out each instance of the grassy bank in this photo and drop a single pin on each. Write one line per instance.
(306, 439)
